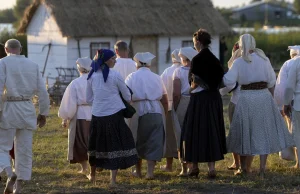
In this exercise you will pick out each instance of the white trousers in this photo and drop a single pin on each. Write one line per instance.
(23, 151)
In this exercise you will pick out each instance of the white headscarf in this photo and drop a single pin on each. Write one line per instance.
(144, 58)
(188, 52)
(84, 63)
(246, 44)
(294, 49)
(175, 57)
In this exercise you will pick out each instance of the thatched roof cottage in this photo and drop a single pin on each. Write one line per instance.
(77, 28)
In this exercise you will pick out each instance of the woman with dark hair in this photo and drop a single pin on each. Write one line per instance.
(111, 144)
(203, 134)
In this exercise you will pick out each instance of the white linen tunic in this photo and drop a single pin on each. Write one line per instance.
(21, 77)
(167, 77)
(281, 83)
(74, 101)
(105, 96)
(125, 66)
(293, 85)
(149, 97)
(245, 73)
(182, 73)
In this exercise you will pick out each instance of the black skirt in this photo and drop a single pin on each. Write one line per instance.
(203, 134)
(111, 144)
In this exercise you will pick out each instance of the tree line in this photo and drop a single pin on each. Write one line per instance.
(15, 14)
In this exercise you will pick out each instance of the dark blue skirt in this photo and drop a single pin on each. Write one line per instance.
(111, 144)
(203, 136)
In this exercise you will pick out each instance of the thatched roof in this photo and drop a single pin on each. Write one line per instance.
(92, 18)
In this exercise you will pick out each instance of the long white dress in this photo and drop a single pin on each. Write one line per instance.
(257, 127)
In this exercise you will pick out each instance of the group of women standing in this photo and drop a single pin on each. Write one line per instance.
(179, 114)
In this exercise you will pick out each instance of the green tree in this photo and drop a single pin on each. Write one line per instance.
(253, 1)
(297, 5)
(20, 7)
(7, 16)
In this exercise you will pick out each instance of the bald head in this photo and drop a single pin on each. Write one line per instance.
(13, 46)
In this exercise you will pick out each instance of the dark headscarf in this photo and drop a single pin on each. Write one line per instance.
(100, 58)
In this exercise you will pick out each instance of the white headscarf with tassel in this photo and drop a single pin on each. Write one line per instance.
(247, 43)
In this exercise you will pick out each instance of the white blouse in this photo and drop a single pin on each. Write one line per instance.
(74, 100)
(148, 89)
(105, 96)
(245, 73)
(167, 77)
(182, 74)
(125, 66)
(281, 83)
(292, 90)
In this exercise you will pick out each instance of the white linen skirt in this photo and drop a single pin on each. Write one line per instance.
(257, 127)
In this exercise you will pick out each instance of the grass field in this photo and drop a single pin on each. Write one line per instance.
(53, 174)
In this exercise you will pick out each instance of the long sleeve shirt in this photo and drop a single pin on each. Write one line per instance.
(148, 89)
(74, 100)
(125, 66)
(259, 70)
(281, 83)
(20, 77)
(105, 96)
(182, 74)
(292, 90)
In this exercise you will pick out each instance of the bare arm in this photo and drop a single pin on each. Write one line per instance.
(176, 92)
(164, 102)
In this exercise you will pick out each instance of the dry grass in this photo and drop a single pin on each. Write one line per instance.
(53, 174)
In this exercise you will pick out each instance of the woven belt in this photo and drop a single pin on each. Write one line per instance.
(17, 98)
(255, 86)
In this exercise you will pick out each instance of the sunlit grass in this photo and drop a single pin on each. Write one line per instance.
(53, 174)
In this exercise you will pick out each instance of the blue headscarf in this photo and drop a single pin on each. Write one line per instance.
(99, 62)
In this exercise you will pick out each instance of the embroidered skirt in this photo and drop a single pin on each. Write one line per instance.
(257, 127)
(203, 133)
(111, 144)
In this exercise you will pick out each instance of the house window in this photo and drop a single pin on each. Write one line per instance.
(187, 43)
(94, 46)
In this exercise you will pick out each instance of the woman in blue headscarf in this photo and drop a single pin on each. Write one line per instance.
(111, 144)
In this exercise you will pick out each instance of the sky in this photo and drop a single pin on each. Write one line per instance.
(4, 4)
(231, 3)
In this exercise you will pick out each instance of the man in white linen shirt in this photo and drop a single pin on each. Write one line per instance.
(124, 65)
(292, 92)
(167, 77)
(148, 124)
(21, 79)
